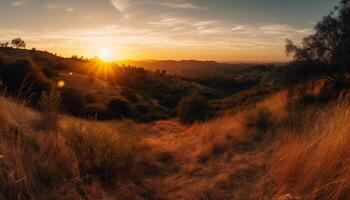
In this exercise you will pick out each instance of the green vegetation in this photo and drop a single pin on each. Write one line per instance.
(23, 79)
(194, 108)
(119, 108)
(149, 95)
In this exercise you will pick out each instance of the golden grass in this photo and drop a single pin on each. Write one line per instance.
(315, 163)
(219, 159)
(71, 161)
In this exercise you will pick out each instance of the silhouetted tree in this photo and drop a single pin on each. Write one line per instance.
(324, 55)
(5, 44)
(18, 43)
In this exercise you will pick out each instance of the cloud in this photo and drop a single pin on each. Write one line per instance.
(120, 5)
(183, 6)
(17, 3)
(70, 9)
(133, 24)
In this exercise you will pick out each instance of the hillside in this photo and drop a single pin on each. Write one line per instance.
(168, 128)
(225, 158)
(145, 95)
(188, 68)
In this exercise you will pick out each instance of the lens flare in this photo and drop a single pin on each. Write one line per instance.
(60, 84)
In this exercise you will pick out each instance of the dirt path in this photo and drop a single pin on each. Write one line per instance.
(192, 163)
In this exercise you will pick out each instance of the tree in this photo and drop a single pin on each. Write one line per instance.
(325, 54)
(18, 43)
(5, 45)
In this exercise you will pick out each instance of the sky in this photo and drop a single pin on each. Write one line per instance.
(221, 30)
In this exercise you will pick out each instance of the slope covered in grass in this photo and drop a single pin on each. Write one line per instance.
(78, 160)
(266, 152)
(226, 159)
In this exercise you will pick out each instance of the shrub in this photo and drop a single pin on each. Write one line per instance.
(260, 120)
(129, 94)
(95, 111)
(90, 98)
(119, 108)
(169, 101)
(143, 108)
(50, 73)
(73, 100)
(193, 108)
(23, 78)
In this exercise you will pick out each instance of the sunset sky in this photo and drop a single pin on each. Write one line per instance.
(222, 30)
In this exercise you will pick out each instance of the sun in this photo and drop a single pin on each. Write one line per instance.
(105, 54)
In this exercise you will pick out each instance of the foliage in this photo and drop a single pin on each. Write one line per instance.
(325, 54)
(95, 111)
(50, 73)
(90, 98)
(193, 108)
(18, 43)
(119, 108)
(23, 78)
(129, 94)
(73, 100)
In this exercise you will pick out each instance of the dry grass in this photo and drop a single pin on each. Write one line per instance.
(73, 159)
(315, 163)
(218, 159)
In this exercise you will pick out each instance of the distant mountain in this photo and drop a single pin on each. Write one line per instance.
(189, 68)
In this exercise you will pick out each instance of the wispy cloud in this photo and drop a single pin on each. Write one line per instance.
(120, 5)
(17, 3)
(183, 6)
(142, 24)
(70, 9)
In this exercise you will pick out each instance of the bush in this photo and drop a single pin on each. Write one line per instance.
(119, 108)
(73, 100)
(23, 78)
(129, 94)
(169, 101)
(260, 120)
(143, 108)
(95, 111)
(50, 73)
(193, 108)
(90, 98)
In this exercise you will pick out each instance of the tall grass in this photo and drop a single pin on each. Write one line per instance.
(102, 153)
(70, 161)
(50, 105)
(314, 163)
